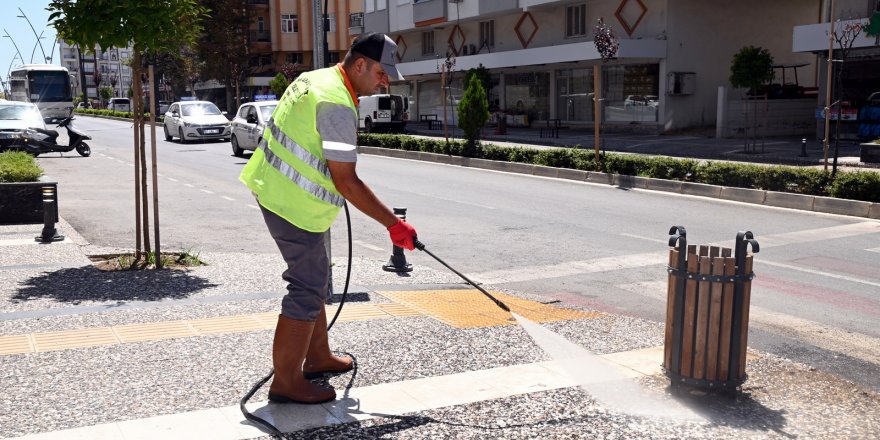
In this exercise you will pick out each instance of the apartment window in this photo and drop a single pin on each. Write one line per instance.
(356, 19)
(331, 22)
(576, 20)
(428, 43)
(295, 57)
(289, 23)
(261, 24)
(487, 34)
(261, 60)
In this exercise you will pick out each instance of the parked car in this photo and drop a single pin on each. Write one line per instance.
(383, 112)
(635, 101)
(195, 120)
(84, 104)
(119, 104)
(16, 118)
(248, 125)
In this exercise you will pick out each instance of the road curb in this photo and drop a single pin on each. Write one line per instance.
(830, 205)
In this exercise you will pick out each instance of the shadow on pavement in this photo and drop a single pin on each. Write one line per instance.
(79, 284)
(736, 411)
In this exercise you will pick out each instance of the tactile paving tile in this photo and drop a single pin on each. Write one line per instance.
(154, 331)
(15, 344)
(88, 337)
(466, 308)
(157, 331)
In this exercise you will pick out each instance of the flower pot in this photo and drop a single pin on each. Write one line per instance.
(22, 202)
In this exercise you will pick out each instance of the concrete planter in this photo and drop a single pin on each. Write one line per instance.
(869, 153)
(22, 202)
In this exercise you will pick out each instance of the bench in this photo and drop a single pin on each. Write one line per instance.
(431, 119)
(551, 129)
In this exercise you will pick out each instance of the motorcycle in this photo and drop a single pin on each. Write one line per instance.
(38, 141)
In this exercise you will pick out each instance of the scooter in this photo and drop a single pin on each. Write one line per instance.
(38, 141)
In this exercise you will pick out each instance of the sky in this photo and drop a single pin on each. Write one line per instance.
(21, 33)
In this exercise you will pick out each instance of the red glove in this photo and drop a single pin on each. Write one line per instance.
(402, 234)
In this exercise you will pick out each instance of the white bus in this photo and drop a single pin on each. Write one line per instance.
(46, 85)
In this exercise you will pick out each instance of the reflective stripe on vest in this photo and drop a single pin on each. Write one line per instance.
(297, 178)
(298, 151)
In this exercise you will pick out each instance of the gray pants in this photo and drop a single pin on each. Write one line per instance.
(308, 268)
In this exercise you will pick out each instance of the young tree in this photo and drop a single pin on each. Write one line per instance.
(223, 47)
(157, 26)
(279, 84)
(473, 113)
(106, 93)
(751, 68)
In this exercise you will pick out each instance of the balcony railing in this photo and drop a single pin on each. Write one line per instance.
(261, 37)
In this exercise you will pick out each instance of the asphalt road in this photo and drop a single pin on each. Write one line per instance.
(816, 298)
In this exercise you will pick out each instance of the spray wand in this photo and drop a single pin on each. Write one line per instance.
(421, 246)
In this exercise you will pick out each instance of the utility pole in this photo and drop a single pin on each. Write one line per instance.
(828, 66)
(317, 36)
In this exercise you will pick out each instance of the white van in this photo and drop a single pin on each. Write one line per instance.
(383, 112)
(119, 104)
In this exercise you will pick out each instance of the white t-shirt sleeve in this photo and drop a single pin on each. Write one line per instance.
(337, 125)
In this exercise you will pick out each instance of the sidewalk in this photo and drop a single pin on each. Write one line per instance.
(698, 145)
(86, 354)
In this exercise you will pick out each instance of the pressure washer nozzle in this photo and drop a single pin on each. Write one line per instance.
(418, 244)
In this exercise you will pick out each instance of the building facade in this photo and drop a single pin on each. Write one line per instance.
(284, 31)
(112, 66)
(856, 74)
(673, 54)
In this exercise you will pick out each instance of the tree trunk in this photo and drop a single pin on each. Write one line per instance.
(137, 168)
(141, 162)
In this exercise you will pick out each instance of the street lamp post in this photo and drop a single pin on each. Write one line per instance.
(34, 31)
(6, 35)
(35, 47)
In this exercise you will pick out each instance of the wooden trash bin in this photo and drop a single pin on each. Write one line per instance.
(707, 312)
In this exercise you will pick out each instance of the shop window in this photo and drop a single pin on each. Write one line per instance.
(631, 93)
(528, 94)
(574, 94)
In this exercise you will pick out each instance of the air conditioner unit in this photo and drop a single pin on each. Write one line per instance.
(472, 49)
(465, 50)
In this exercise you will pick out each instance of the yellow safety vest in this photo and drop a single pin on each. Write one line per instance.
(288, 172)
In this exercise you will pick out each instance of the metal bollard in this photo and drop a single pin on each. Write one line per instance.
(398, 263)
(804, 147)
(49, 233)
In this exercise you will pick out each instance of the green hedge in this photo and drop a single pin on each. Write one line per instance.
(845, 185)
(18, 166)
(118, 114)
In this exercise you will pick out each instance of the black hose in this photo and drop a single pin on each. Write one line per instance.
(241, 404)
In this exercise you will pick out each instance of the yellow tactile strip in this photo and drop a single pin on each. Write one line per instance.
(157, 331)
(469, 308)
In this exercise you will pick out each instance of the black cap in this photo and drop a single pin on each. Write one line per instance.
(381, 48)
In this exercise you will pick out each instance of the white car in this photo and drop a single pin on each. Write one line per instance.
(16, 120)
(119, 104)
(195, 120)
(248, 125)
